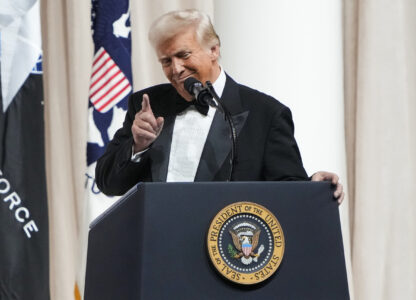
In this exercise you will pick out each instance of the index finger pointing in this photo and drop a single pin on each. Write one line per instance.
(146, 104)
(335, 179)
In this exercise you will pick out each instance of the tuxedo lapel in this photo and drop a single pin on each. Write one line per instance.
(218, 144)
(160, 151)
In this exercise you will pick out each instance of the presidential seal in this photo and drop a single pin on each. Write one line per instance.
(245, 243)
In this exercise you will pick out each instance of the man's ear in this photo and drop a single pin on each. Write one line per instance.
(215, 52)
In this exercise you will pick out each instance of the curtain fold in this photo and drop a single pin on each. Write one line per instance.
(380, 60)
(67, 56)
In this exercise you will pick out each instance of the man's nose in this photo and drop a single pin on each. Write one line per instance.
(177, 66)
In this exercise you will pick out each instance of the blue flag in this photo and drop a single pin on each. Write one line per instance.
(110, 86)
(111, 77)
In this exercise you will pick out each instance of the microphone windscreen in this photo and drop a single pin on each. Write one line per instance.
(190, 83)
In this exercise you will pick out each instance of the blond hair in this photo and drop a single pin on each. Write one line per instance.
(174, 22)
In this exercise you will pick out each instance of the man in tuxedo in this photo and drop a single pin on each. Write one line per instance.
(167, 137)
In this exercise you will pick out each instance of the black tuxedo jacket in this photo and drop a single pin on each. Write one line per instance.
(266, 147)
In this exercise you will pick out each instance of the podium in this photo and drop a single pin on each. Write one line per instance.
(152, 243)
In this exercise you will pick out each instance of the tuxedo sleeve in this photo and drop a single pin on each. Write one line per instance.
(115, 173)
(282, 159)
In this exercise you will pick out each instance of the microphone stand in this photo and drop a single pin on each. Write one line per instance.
(227, 117)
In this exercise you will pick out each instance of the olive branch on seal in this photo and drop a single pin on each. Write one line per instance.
(231, 251)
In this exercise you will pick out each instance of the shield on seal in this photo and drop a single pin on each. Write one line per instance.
(246, 247)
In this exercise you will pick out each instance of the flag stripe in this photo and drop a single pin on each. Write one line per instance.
(99, 55)
(104, 84)
(101, 65)
(107, 70)
(118, 95)
(109, 91)
(110, 96)
(99, 88)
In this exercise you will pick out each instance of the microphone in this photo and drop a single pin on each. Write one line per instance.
(208, 96)
(202, 94)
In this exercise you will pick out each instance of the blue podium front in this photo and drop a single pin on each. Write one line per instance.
(152, 243)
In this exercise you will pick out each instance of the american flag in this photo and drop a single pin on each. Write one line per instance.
(108, 83)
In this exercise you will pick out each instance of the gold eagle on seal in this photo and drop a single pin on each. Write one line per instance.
(246, 239)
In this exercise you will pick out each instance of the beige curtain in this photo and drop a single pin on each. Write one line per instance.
(68, 52)
(380, 82)
(67, 58)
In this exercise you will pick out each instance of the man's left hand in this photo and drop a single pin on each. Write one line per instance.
(327, 176)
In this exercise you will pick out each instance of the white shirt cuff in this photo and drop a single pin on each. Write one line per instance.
(136, 157)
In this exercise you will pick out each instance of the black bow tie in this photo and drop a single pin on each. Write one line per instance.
(182, 104)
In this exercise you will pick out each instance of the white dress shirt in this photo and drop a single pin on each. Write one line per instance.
(190, 132)
(188, 139)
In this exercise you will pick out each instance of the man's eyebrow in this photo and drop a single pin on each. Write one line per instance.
(163, 58)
